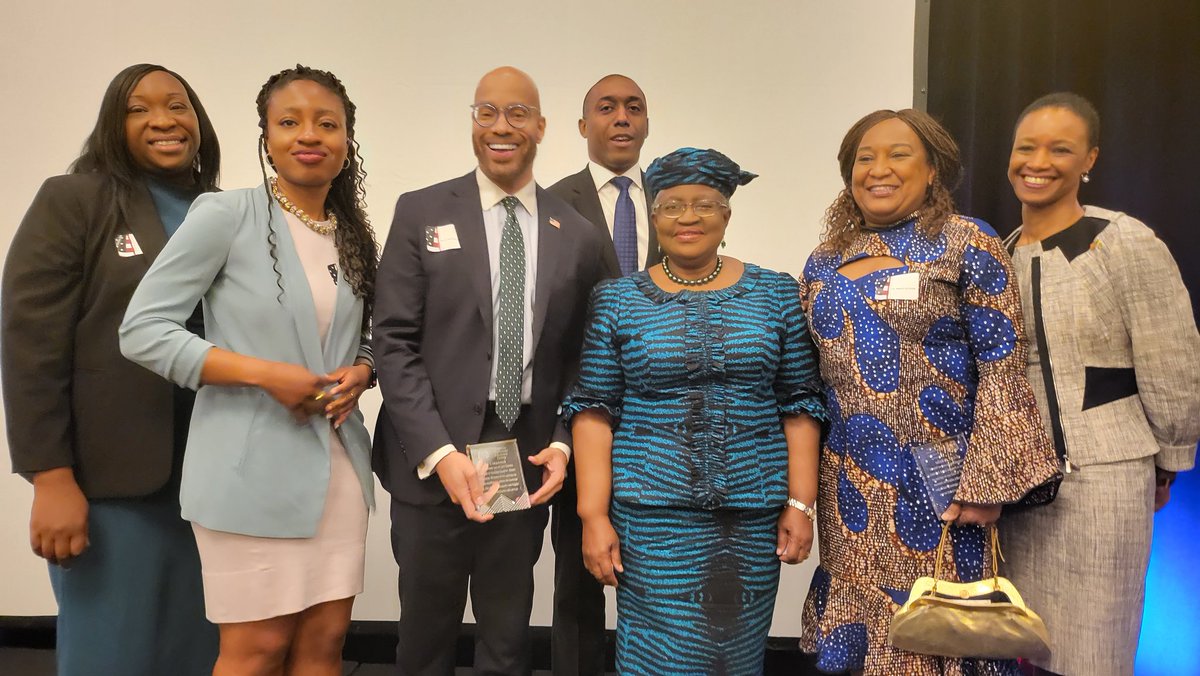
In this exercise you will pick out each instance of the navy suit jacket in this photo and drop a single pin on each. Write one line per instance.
(579, 190)
(433, 328)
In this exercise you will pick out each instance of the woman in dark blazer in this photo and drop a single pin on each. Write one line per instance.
(101, 438)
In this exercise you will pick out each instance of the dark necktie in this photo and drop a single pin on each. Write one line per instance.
(511, 368)
(625, 227)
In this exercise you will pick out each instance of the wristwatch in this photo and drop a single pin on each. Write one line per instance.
(810, 512)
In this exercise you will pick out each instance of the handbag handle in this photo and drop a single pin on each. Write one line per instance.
(997, 556)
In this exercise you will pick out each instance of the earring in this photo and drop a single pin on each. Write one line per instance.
(270, 161)
(346, 164)
(196, 168)
(722, 244)
(1085, 178)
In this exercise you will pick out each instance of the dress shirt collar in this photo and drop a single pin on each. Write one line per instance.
(601, 175)
(490, 194)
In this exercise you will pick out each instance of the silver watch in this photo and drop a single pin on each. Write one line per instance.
(810, 512)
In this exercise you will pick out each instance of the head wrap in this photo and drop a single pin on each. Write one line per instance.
(688, 166)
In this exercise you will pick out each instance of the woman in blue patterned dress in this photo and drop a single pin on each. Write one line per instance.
(696, 423)
(917, 319)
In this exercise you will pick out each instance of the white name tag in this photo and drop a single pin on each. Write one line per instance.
(906, 286)
(441, 238)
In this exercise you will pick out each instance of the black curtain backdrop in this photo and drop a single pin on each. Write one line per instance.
(1137, 61)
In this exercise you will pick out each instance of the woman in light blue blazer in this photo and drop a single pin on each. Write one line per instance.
(276, 476)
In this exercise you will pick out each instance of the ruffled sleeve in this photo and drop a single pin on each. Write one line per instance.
(1009, 454)
(601, 381)
(798, 380)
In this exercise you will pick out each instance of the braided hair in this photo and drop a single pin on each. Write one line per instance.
(358, 253)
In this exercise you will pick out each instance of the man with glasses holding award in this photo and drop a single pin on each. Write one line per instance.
(479, 314)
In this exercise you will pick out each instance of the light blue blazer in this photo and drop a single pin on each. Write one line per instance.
(249, 468)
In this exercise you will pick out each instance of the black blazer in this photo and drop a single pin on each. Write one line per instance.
(433, 331)
(70, 398)
(579, 190)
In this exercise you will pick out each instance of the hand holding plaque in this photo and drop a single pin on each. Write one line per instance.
(499, 466)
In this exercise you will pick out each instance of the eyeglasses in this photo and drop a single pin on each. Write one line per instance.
(674, 208)
(517, 114)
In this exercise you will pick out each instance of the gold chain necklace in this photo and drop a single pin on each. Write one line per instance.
(323, 229)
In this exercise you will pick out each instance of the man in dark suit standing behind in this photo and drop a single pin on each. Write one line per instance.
(608, 192)
(481, 299)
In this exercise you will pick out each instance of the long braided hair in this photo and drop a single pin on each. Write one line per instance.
(106, 150)
(358, 253)
(844, 220)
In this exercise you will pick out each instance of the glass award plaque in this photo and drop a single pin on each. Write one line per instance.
(499, 466)
(940, 464)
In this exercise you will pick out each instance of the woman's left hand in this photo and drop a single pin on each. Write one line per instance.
(795, 536)
(352, 381)
(968, 514)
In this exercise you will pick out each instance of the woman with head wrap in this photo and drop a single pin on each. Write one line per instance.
(917, 318)
(696, 423)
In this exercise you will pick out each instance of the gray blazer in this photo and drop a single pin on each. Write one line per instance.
(1118, 370)
(579, 190)
(249, 468)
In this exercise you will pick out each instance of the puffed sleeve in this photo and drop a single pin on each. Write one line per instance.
(154, 332)
(798, 380)
(601, 382)
(1009, 454)
(1163, 340)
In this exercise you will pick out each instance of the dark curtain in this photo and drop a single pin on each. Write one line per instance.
(1138, 61)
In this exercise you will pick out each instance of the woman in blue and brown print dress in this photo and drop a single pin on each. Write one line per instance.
(918, 323)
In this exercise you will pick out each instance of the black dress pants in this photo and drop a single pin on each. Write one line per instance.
(442, 557)
(577, 637)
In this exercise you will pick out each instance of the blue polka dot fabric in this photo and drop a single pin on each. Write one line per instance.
(902, 369)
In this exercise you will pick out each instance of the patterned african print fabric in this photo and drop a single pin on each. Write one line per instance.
(696, 383)
(945, 358)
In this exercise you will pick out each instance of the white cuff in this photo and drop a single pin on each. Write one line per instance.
(562, 447)
(426, 467)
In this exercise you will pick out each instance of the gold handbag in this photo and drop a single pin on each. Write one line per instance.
(986, 619)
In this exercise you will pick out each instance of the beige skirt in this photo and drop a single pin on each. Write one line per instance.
(249, 578)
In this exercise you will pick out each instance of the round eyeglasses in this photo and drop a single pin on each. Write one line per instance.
(673, 209)
(517, 114)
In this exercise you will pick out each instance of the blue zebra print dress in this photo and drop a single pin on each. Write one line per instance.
(696, 383)
(905, 371)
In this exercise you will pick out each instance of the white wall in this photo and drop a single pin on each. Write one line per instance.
(773, 84)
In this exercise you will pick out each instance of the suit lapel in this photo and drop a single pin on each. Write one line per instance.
(587, 202)
(653, 255)
(550, 251)
(468, 222)
(145, 224)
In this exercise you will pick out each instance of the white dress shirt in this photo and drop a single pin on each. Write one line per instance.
(608, 194)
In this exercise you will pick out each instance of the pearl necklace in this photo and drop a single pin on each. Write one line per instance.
(323, 229)
(692, 282)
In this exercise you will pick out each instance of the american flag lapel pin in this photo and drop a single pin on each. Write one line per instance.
(127, 246)
(555, 223)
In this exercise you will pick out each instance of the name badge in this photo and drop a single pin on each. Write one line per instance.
(906, 286)
(440, 238)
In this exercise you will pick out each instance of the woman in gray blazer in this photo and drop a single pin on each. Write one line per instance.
(1114, 360)
(276, 478)
(100, 438)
